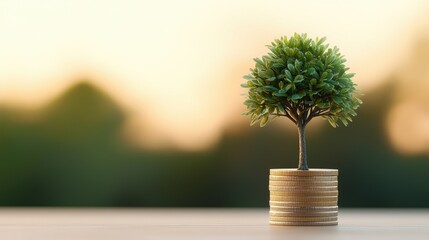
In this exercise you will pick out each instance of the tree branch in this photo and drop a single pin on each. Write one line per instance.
(292, 110)
(313, 111)
(326, 114)
(323, 113)
(285, 115)
(317, 112)
(303, 116)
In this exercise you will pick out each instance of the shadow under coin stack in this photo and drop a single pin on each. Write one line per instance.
(303, 197)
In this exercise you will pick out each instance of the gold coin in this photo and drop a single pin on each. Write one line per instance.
(304, 214)
(304, 209)
(303, 183)
(279, 223)
(303, 178)
(302, 204)
(304, 193)
(303, 219)
(302, 188)
(310, 172)
(302, 199)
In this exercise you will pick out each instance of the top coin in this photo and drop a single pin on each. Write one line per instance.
(303, 178)
(310, 172)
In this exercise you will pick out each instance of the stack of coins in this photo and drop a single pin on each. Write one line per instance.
(304, 197)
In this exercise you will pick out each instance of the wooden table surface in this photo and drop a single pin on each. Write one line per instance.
(108, 223)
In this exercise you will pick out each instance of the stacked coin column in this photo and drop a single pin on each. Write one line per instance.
(303, 197)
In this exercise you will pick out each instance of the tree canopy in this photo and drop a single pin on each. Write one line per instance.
(301, 78)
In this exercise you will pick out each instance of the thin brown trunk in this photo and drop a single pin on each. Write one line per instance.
(302, 148)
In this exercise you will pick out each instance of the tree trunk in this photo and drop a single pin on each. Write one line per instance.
(302, 148)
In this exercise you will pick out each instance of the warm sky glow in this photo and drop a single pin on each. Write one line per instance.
(409, 128)
(177, 65)
(408, 121)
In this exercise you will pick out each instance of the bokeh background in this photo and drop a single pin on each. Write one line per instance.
(138, 103)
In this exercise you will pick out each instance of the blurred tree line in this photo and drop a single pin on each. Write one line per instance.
(70, 154)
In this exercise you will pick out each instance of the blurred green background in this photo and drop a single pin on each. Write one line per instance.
(71, 155)
(137, 103)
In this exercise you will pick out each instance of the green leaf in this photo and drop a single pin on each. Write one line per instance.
(337, 99)
(288, 75)
(330, 58)
(280, 108)
(271, 88)
(296, 36)
(298, 78)
(264, 120)
(321, 85)
(249, 77)
(349, 119)
(291, 68)
(358, 100)
(278, 65)
(290, 51)
(350, 75)
(323, 105)
(250, 102)
(313, 81)
(329, 77)
(297, 96)
(259, 61)
(311, 71)
(263, 74)
(332, 122)
(324, 76)
(280, 94)
(271, 79)
(298, 65)
(253, 121)
(260, 82)
(282, 90)
(344, 121)
(321, 41)
(308, 55)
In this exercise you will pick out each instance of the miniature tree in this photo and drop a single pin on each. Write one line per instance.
(301, 78)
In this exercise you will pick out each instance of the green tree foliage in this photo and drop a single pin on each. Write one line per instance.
(301, 78)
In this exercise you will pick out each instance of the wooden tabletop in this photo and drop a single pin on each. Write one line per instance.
(106, 224)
